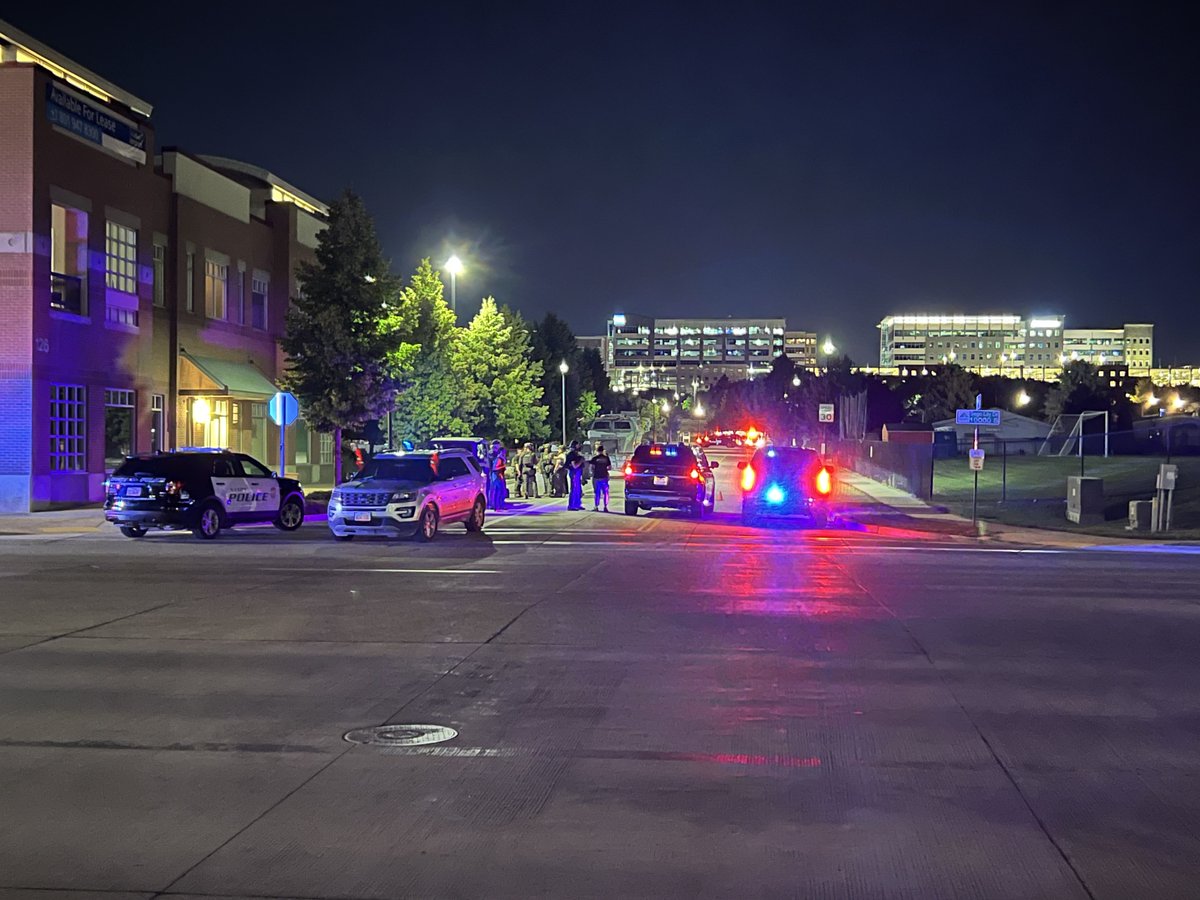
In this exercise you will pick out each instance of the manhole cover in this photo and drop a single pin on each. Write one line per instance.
(401, 735)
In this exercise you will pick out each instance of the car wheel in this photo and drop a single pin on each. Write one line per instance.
(133, 531)
(342, 537)
(630, 508)
(478, 514)
(427, 525)
(208, 526)
(291, 515)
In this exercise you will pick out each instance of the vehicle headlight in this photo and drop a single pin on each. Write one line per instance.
(335, 498)
(404, 496)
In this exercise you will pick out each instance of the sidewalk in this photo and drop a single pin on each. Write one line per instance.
(85, 520)
(890, 511)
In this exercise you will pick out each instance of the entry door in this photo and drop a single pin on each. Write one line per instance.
(230, 488)
(262, 488)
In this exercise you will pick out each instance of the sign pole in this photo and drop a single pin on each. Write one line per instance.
(975, 492)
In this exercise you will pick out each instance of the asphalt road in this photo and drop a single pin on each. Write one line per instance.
(645, 707)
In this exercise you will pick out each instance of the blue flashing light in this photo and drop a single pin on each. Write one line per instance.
(771, 454)
(775, 494)
(672, 451)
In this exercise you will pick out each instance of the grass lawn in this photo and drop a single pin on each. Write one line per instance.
(1037, 490)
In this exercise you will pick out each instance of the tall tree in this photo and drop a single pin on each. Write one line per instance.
(552, 342)
(429, 404)
(349, 330)
(1080, 388)
(499, 381)
(952, 388)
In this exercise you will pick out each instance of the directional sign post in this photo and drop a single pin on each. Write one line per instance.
(825, 413)
(979, 418)
(283, 410)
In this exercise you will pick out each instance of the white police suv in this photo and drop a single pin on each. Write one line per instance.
(410, 494)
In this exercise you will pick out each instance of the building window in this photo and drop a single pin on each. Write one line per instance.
(157, 423)
(118, 426)
(302, 439)
(121, 311)
(68, 259)
(216, 289)
(120, 257)
(326, 449)
(68, 421)
(160, 275)
(190, 288)
(258, 303)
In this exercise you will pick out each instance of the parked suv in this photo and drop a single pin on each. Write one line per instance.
(672, 475)
(201, 490)
(410, 494)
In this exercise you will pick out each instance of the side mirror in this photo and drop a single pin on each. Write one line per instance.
(714, 465)
(741, 464)
(274, 474)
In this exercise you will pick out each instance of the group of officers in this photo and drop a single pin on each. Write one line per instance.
(562, 472)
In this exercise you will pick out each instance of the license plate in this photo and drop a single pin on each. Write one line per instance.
(133, 491)
(661, 480)
(362, 517)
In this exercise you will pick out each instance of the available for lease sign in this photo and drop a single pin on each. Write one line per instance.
(72, 113)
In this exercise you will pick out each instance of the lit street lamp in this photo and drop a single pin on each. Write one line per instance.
(454, 266)
(563, 369)
(1023, 399)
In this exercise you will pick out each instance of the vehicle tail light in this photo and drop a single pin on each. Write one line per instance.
(695, 474)
(749, 476)
(824, 482)
(628, 470)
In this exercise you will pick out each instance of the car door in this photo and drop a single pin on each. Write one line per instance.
(710, 477)
(262, 487)
(229, 486)
(455, 486)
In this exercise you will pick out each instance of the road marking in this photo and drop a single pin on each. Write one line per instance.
(367, 571)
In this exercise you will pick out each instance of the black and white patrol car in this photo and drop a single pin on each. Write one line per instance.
(201, 490)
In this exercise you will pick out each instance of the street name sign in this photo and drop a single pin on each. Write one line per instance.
(825, 412)
(980, 418)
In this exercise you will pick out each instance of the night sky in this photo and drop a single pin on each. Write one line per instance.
(828, 165)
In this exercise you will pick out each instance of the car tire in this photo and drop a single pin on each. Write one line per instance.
(427, 525)
(342, 537)
(291, 515)
(133, 531)
(478, 514)
(631, 509)
(208, 524)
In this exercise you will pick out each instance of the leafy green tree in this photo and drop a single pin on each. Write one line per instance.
(429, 404)
(499, 382)
(349, 331)
(952, 388)
(588, 409)
(1080, 388)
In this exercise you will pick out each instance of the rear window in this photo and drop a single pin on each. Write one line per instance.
(664, 453)
(171, 467)
(622, 425)
(785, 457)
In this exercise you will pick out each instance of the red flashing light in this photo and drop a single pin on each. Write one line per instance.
(749, 476)
(628, 469)
(695, 474)
(824, 482)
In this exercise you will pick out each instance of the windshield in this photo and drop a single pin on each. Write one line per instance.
(416, 469)
(664, 453)
(785, 458)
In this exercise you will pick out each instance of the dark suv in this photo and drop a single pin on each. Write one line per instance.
(201, 490)
(672, 475)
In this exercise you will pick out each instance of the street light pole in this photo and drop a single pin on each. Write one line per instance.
(563, 369)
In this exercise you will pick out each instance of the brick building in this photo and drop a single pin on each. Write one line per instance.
(142, 290)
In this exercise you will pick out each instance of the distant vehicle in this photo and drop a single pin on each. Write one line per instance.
(620, 433)
(203, 490)
(474, 445)
(779, 482)
(410, 495)
(675, 476)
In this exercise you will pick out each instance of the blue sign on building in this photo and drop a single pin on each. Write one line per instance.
(72, 113)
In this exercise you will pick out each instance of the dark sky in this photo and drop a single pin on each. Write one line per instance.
(831, 165)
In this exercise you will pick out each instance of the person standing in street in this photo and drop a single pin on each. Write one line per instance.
(497, 466)
(527, 471)
(601, 465)
(575, 474)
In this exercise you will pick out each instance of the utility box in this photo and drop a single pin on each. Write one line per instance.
(1085, 500)
(1139, 514)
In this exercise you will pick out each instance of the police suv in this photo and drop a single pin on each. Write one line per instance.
(410, 493)
(203, 490)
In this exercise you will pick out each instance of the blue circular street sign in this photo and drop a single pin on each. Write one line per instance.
(283, 409)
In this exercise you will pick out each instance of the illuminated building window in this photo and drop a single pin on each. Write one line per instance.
(216, 289)
(68, 428)
(68, 259)
(120, 257)
(326, 449)
(258, 301)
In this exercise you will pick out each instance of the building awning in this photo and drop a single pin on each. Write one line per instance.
(207, 375)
